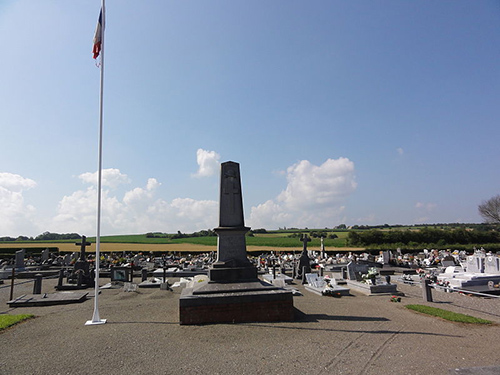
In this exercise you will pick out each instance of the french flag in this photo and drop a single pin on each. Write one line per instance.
(98, 37)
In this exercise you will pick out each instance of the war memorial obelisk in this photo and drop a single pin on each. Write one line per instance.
(234, 293)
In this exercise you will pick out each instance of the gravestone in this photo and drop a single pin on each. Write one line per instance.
(81, 263)
(20, 254)
(475, 264)
(45, 255)
(121, 274)
(373, 286)
(318, 285)
(81, 276)
(386, 257)
(67, 260)
(355, 270)
(233, 293)
(492, 265)
(304, 260)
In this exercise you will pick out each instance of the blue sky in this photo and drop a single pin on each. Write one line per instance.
(355, 112)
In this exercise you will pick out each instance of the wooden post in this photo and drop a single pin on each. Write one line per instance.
(12, 283)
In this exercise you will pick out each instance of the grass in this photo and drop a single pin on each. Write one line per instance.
(10, 320)
(448, 315)
(267, 240)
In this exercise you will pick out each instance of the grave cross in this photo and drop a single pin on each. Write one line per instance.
(304, 239)
(231, 189)
(82, 245)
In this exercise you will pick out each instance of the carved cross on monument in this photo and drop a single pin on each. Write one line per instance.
(82, 245)
(231, 202)
(231, 189)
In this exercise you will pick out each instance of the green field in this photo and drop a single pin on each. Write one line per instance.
(272, 239)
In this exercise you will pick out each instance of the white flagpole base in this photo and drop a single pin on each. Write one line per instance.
(95, 322)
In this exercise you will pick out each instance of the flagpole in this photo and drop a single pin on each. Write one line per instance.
(95, 318)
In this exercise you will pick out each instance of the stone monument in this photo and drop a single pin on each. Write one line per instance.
(233, 292)
(232, 263)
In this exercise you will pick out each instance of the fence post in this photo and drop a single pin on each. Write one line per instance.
(37, 285)
(426, 290)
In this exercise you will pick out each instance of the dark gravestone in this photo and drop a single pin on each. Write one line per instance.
(82, 266)
(81, 274)
(20, 254)
(233, 293)
(304, 265)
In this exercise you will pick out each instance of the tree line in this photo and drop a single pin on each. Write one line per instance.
(45, 236)
(441, 237)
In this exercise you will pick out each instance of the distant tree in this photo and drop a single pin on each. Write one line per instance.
(6, 239)
(490, 210)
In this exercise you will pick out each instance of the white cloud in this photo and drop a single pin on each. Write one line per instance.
(208, 163)
(15, 215)
(15, 182)
(425, 206)
(110, 177)
(138, 195)
(314, 196)
(310, 185)
(139, 211)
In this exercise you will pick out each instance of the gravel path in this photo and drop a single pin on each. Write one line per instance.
(355, 335)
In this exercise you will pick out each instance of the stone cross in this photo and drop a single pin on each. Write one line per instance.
(82, 245)
(304, 261)
(304, 239)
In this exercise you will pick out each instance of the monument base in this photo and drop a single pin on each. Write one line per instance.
(232, 274)
(241, 302)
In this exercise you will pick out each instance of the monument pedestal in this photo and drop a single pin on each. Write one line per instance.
(240, 302)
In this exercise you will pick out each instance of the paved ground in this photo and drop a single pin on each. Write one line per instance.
(350, 335)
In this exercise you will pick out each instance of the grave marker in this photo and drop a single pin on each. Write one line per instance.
(20, 254)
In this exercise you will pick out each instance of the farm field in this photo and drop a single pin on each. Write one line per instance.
(259, 242)
(161, 248)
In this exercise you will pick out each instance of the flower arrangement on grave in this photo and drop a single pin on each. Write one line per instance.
(370, 275)
(329, 289)
(331, 293)
(395, 299)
